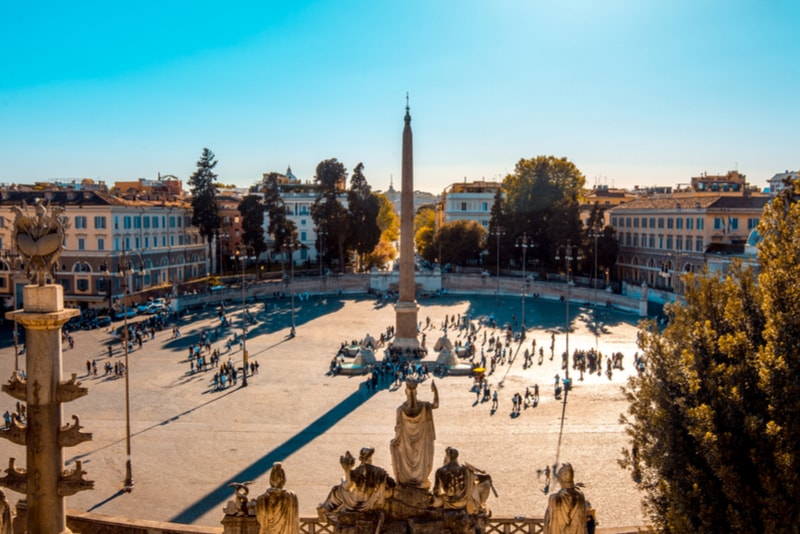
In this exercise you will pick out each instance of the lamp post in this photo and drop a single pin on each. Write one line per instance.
(124, 269)
(570, 253)
(497, 232)
(523, 242)
(243, 259)
(321, 233)
(12, 256)
(595, 234)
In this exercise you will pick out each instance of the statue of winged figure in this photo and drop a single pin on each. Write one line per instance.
(39, 237)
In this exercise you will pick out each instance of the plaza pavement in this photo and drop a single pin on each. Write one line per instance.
(190, 442)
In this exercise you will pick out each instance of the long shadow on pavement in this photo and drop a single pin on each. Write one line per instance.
(311, 432)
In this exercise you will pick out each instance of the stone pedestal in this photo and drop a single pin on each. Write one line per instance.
(406, 325)
(43, 316)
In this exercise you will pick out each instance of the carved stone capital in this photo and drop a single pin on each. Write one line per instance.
(16, 386)
(72, 481)
(16, 479)
(71, 389)
(70, 434)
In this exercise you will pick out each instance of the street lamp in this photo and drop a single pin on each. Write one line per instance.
(595, 234)
(497, 232)
(321, 233)
(568, 253)
(243, 259)
(12, 257)
(290, 255)
(523, 242)
(124, 269)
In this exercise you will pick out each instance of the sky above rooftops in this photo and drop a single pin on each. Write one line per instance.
(633, 92)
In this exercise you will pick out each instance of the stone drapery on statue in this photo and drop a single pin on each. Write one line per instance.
(461, 487)
(412, 446)
(566, 510)
(277, 508)
(364, 489)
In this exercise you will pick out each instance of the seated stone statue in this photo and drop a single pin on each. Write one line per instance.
(566, 510)
(461, 487)
(277, 508)
(364, 489)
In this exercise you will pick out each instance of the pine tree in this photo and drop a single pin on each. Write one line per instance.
(205, 212)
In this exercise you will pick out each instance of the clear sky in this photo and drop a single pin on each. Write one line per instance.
(634, 92)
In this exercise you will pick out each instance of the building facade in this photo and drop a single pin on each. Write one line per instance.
(163, 247)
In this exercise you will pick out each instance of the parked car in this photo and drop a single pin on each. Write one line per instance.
(103, 320)
(119, 314)
(154, 308)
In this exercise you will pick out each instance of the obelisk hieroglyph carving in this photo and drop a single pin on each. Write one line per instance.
(406, 307)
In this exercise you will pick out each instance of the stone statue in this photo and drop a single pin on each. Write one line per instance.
(412, 446)
(364, 489)
(5, 515)
(461, 487)
(566, 510)
(277, 508)
(39, 238)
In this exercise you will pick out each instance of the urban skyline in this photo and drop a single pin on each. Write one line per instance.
(633, 93)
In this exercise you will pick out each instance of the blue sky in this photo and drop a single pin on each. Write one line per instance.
(633, 92)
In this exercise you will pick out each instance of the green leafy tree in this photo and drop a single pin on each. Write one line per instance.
(542, 200)
(715, 444)
(424, 230)
(461, 242)
(252, 212)
(328, 213)
(598, 233)
(205, 212)
(363, 209)
(278, 224)
(498, 227)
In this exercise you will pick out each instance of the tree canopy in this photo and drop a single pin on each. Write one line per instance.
(715, 444)
(362, 209)
(205, 213)
(252, 212)
(328, 213)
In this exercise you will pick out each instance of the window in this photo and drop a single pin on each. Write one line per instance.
(669, 242)
(484, 206)
(669, 223)
(628, 222)
(679, 223)
(463, 206)
(99, 222)
(652, 222)
(172, 221)
(2, 221)
(718, 224)
(613, 221)
(689, 223)
(83, 284)
(698, 244)
(137, 243)
(303, 236)
(628, 239)
(155, 222)
(100, 284)
(699, 223)
(644, 222)
(635, 240)
(81, 243)
(137, 222)
(163, 241)
(101, 243)
(80, 222)
(126, 222)
(652, 241)
(636, 222)
(752, 222)
(661, 222)
(661, 241)
(127, 243)
(180, 219)
(180, 238)
(733, 223)
(146, 221)
(146, 242)
(116, 243)
(116, 222)
(172, 240)
(678, 241)
(65, 283)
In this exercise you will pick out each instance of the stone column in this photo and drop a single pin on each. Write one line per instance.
(46, 484)
(406, 307)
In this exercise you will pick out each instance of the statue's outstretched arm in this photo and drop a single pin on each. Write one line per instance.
(435, 394)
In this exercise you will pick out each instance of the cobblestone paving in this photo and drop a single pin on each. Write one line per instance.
(190, 441)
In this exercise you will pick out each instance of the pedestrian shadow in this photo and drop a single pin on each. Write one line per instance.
(261, 466)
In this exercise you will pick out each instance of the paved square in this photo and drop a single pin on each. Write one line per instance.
(190, 441)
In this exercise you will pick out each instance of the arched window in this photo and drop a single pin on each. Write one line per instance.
(81, 267)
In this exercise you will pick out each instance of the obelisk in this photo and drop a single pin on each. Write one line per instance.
(406, 307)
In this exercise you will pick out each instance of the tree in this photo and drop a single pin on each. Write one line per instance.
(252, 212)
(461, 242)
(424, 224)
(498, 226)
(278, 226)
(607, 246)
(328, 214)
(542, 200)
(363, 208)
(388, 221)
(715, 444)
(205, 212)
